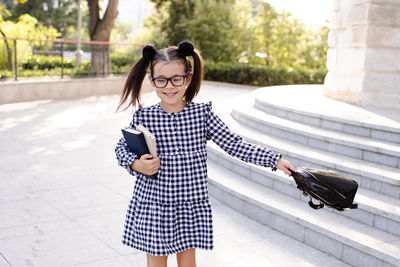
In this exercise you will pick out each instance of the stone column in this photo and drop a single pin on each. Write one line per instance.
(364, 53)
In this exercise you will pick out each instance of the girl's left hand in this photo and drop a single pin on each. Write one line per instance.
(285, 166)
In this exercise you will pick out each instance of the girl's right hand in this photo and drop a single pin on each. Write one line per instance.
(285, 166)
(147, 164)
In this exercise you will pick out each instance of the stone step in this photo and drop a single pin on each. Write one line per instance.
(345, 239)
(252, 244)
(363, 148)
(371, 176)
(306, 104)
(375, 210)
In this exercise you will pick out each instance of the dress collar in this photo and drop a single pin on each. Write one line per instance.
(174, 113)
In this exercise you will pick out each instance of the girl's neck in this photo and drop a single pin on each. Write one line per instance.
(173, 108)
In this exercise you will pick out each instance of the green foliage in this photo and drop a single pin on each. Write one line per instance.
(248, 31)
(121, 32)
(152, 32)
(26, 27)
(59, 14)
(209, 24)
(122, 60)
(40, 62)
(261, 75)
(4, 13)
(40, 65)
(83, 71)
(212, 24)
(243, 41)
(284, 41)
(221, 71)
(179, 12)
(70, 31)
(314, 51)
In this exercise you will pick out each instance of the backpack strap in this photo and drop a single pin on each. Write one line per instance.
(315, 206)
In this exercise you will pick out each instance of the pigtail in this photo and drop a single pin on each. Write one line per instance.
(133, 83)
(198, 75)
(185, 49)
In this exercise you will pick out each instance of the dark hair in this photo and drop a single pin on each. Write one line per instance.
(150, 58)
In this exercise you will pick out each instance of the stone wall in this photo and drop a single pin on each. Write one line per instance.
(59, 89)
(364, 53)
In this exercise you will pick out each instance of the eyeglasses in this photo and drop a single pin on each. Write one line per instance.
(177, 80)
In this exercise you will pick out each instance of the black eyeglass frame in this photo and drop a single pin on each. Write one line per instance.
(170, 80)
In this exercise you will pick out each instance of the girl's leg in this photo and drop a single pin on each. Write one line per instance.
(156, 261)
(186, 258)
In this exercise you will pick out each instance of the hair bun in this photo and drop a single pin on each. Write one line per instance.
(185, 48)
(149, 52)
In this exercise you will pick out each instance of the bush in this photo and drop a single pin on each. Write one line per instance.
(260, 75)
(214, 71)
(122, 60)
(40, 62)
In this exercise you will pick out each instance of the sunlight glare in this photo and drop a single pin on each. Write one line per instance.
(68, 119)
(81, 142)
(312, 12)
(12, 122)
(22, 106)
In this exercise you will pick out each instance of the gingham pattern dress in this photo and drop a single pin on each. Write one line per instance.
(172, 213)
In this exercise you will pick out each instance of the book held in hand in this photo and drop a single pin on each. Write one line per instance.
(137, 144)
(150, 139)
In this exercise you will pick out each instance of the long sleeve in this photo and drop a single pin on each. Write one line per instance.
(234, 144)
(124, 156)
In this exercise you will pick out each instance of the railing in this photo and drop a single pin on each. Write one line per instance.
(23, 57)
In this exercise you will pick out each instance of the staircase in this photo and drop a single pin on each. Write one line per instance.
(313, 131)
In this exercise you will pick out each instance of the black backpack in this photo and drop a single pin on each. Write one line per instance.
(328, 187)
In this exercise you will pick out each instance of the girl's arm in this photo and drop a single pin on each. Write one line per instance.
(235, 146)
(130, 161)
(124, 156)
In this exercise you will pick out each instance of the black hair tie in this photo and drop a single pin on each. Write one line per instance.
(149, 52)
(185, 48)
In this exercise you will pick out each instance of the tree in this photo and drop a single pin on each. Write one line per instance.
(265, 20)
(152, 30)
(314, 50)
(10, 3)
(26, 27)
(100, 30)
(60, 14)
(248, 31)
(5, 13)
(216, 30)
(177, 13)
(286, 42)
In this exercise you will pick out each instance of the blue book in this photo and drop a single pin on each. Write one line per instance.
(137, 144)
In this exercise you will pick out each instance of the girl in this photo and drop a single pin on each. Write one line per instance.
(172, 214)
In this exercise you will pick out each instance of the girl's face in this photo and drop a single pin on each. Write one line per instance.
(171, 96)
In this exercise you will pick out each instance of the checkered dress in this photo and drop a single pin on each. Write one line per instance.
(172, 213)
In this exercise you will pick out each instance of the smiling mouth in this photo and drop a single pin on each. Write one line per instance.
(170, 93)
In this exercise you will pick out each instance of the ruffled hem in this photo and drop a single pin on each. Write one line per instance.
(171, 252)
(162, 229)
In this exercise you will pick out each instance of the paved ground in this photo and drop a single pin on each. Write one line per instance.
(63, 197)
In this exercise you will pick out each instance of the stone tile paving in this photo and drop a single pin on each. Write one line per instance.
(63, 198)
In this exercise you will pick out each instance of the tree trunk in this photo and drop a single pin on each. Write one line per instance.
(9, 53)
(101, 62)
(100, 30)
